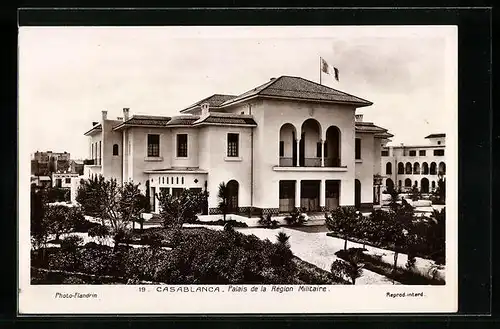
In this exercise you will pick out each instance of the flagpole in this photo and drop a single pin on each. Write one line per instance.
(319, 69)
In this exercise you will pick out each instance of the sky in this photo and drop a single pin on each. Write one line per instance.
(68, 75)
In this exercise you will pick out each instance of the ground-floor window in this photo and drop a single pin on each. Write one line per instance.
(286, 195)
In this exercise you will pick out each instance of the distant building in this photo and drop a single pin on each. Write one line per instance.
(46, 163)
(63, 180)
(406, 166)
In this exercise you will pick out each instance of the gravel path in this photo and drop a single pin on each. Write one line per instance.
(316, 248)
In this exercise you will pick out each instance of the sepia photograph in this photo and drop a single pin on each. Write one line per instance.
(238, 164)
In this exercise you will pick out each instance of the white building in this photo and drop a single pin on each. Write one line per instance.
(422, 166)
(289, 143)
(63, 179)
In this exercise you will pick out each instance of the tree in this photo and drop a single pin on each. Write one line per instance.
(283, 239)
(39, 225)
(107, 200)
(223, 197)
(58, 220)
(342, 221)
(351, 267)
(131, 203)
(441, 189)
(176, 210)
(415, 193)
(394, 198)
(101, 232)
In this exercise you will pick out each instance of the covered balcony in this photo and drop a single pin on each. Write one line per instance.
(308, 149)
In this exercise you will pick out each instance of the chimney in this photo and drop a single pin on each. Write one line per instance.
(205, 109)
(126, 113)
(359, 117)
(104, 115)
(119, 118)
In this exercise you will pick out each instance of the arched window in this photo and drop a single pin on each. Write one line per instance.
(424, 185)
(389, 184)
(399, 183)
(433, 168)
(416, 183)
(433, 185)
(287, 146)
(401, 168)
(442, 168)
(408, 168)
(425, 168)
(115, 149)
(232, 193)
(407, 182)
(416, 168)
(388, 168)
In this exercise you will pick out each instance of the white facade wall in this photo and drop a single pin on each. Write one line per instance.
(112, 164)
(138, 160)
(365, 166)
(192, 148)
(213, 158)
(170, 180)
(270, 115)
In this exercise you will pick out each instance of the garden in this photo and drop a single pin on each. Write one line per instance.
(396, 229)
(117, 251)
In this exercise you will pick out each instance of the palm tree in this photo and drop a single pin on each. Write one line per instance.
(223, 196)
(283, 238)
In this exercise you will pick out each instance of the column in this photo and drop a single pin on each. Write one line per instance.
(322, 201)
(298, 152)
(322, 153)
(297, 194)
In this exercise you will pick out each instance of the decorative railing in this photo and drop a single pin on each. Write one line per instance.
(286, 162)
(309, 162)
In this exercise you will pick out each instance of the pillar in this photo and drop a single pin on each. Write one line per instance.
(322, 153)
(298, 152)
(322, 201)
(297, 194)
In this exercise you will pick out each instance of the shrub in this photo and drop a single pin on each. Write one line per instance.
(350, 267)
(267, 221)
(100, 232)
(343, 221)
(221, 222)
(71, 243)
(295, 218)
(283, 239)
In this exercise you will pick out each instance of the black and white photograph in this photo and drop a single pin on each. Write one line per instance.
(191, 169)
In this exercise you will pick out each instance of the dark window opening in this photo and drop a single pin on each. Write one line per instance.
(413, 153)
(232, 145)
(68, 180)
(182, 146)
(153, 145)
(385, 153)
(318, 149)
(358, 149)
(439, 152)
(421, 153)
(282, 148)
(115, 149)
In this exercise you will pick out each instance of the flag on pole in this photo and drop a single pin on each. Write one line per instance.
(328, 69)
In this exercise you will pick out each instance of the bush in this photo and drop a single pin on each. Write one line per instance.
(221, 222)
(268, 222)
(71, 243)
(56, 194)
(295, 218)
